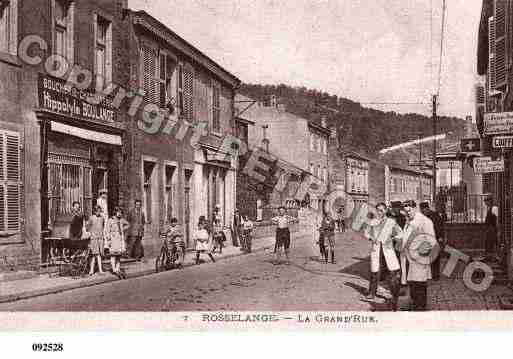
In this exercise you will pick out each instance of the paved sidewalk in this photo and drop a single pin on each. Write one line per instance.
(449, 294)
(50, 283)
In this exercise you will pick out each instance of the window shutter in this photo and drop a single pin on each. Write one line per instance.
(491, 54)
(188, 89)
(480, 95)
(500, 43)
(151, 86)
(10, 185)
(2, 184)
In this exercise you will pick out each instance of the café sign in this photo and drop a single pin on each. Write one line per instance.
(57, 96)
(499, 123)
(502, 142)
(487, 165)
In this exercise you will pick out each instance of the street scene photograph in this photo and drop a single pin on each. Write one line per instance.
(235, 156)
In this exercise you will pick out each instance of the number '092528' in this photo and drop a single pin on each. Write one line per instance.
(47, 347)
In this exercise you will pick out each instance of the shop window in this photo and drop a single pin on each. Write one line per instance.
(148, 188)
(216, 107)
(170, 192)
(69, 180)
(10, 182)
(103, 50)
(63, 29)
(8, 26)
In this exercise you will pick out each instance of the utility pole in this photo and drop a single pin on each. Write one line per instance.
(419, 192)
(435, 103)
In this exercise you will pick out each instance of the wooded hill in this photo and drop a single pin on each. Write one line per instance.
(363, 128)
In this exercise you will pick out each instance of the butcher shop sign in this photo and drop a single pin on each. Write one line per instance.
(57, 96)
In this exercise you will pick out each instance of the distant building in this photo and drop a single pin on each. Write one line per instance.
(295, 140)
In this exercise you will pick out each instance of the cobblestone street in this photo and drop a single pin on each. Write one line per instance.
(252, 282)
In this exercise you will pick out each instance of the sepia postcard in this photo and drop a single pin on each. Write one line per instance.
(256, 164)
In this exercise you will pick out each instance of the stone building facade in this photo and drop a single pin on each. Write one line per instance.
(59, 143)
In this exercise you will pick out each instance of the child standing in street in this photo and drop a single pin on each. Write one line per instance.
(203, 242)
(282, 234)
(247, 229)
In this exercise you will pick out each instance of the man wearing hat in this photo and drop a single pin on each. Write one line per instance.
(419, 246)
(438, 225)
(382, 231)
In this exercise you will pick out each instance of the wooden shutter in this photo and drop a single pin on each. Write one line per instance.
(150, 66)
(10, 185)
(480, 95)
(188, 92)
(491, 54)
(162, 80)
(500, 43)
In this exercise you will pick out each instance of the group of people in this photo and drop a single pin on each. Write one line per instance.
(114, 236)
(406, 243)
(209, 236)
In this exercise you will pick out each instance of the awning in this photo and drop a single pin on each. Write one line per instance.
(86, 134)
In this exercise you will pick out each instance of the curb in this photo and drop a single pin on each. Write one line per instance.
(97, 281)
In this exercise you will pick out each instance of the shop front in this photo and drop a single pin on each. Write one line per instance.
(82, 157)
(499, 185)
(213, 186)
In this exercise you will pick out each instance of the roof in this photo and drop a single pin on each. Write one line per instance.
(399, 160)
(243, 102)
(150, 23)
(318, 127)
(348, 152)
(244, 120)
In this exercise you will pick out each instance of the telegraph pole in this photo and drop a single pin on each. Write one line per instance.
(435, 103)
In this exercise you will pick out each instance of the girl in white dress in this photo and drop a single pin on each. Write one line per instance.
(203, 241)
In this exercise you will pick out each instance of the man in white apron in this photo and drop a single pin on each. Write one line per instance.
(382, 231)
(419, 245)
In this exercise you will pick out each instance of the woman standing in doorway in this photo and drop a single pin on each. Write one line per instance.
(96, 226)
(115, 235)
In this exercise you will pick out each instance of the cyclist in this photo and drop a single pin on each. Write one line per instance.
(174, 241)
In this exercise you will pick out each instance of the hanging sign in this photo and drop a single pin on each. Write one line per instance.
(498, 123)
(502, 142)
(487, 165)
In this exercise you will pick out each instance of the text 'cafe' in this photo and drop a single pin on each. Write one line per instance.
(82, 153)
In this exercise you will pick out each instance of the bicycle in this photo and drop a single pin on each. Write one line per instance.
(169, 253)
(76, 265)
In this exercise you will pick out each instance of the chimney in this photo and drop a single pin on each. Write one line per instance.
(265, 140)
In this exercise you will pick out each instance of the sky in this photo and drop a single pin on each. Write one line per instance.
(366, 50)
